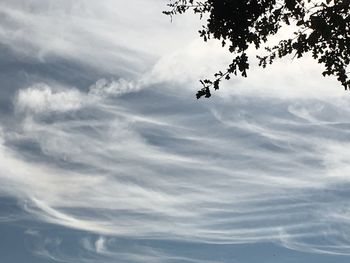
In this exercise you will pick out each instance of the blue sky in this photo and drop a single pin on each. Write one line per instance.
(106, 155)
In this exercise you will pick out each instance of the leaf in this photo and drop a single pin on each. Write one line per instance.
(300, 23)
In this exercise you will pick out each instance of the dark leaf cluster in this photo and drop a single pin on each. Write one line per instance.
(322, 28)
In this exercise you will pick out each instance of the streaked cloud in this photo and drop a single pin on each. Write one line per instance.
(129, 153)
(151, 176)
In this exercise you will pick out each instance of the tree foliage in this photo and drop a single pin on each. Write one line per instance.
(321, 28)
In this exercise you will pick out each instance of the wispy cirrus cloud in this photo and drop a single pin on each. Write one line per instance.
(104, 36)
(130, 171)
(134, 156)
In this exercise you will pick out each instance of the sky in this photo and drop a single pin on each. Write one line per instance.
(107, 156)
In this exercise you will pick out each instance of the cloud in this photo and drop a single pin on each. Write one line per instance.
(186, 65)
(100, 245)
(285, 78)
(263, 161)
(128, 170)
(59, 248)
(41, 98)
(105, 36)
(105, 88)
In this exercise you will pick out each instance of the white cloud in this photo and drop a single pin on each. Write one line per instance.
(105, 88)
(286, 78)
(186, 65)
(41, 98)
(199, 189)
(229, 173)
(110, 36)
(100, 245)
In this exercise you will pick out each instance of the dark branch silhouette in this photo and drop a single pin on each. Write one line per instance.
(321, 28)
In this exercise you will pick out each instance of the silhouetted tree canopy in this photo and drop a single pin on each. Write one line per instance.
(321, 28)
